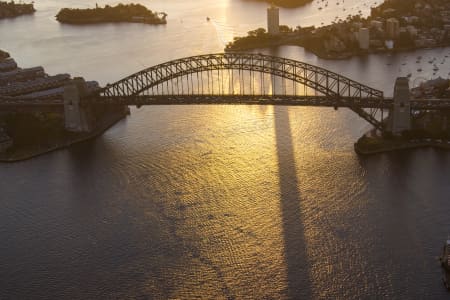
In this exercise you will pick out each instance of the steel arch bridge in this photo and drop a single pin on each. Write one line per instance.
(212, 78)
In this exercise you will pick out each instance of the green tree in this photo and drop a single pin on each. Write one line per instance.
(284, 28)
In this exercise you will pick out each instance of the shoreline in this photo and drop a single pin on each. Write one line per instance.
(387, 145)
(105, 123)
(291, 41)
(402, 147)
(287, 3)
(81, 23)
(391, 27)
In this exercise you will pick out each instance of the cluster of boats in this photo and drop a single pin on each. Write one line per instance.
(431, 61)
(325, 5)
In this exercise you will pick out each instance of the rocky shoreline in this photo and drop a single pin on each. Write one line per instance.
(24, 154)
(371, 143)
(383, 145)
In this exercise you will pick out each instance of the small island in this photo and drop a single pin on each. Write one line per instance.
(12, 9)
(132, 13)
(393, 26)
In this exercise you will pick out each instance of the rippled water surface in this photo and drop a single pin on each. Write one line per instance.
(217, 202)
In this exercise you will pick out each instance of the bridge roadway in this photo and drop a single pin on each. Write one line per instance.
(52, 103)
(214, 79)
(288, 100)
(374, 116)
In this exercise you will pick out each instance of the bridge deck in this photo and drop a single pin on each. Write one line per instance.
(246, 99)
(323, 101)
(233, 78)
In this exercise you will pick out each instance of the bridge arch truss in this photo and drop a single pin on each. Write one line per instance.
(161, 84)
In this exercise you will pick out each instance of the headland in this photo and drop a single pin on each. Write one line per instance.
(392, 26)
(428, 128)
(28, 133)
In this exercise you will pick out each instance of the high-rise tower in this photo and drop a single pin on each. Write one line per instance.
(273, 20)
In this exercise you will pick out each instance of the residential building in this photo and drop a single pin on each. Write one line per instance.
(412, 30)
(392, 28)
(376, 24)
(364, 38)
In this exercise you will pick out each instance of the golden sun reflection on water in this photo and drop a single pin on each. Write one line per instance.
(233, 246)
(246, 199)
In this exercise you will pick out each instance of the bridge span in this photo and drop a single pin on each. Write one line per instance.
(244, 78)
(238, 78)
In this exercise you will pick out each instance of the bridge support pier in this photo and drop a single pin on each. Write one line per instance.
(78, 117)
(400, 114)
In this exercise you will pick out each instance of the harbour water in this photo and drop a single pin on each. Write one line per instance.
(218, 202)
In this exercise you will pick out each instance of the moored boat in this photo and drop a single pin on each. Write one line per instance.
(445, 263)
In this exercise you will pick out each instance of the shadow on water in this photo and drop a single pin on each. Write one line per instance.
(296, 258)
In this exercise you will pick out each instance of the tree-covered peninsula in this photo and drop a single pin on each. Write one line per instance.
(393, 26)
(135, 13)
